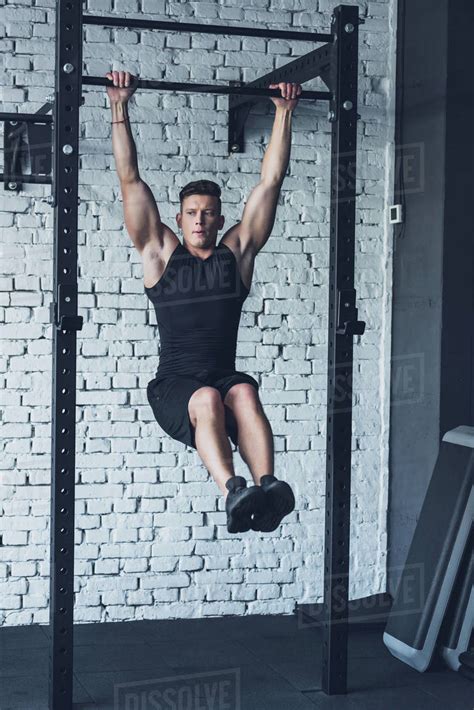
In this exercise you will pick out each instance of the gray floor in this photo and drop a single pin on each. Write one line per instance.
(250, 663)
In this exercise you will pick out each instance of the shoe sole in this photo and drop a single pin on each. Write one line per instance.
(242, 515)
(278, 508)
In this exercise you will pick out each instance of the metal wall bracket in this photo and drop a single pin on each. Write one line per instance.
(314, 64)
(14, 142)
(27, 144)
(237, 119)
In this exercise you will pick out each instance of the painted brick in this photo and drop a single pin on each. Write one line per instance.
(151, 540)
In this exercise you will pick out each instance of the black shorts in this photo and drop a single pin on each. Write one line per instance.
(169, 397)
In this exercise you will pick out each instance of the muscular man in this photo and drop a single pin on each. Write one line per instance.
(198, 288)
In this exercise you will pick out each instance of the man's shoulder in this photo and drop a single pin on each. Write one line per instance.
(241, 246)
(243, 252)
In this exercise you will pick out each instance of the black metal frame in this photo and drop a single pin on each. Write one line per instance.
(343, 324)
(140, 23)
(66, 323)
(337, 64)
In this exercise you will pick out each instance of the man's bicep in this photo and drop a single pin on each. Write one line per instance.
(142, 218)
(259, 213)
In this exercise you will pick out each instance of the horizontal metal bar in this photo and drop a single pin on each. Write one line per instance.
(209, 29)
(26, 117)
(205, 88)
(37, 179)
(304, 68)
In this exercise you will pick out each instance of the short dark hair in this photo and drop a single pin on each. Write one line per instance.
(201, 187)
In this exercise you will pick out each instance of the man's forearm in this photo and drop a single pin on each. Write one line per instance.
(123, 145)
(277, 156)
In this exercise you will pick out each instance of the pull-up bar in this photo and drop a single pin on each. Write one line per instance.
(209, 29)
(206, 88)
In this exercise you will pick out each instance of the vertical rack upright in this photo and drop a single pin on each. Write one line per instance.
(65, 324)
(342, 326)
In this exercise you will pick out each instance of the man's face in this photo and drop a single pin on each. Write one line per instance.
(200, 221)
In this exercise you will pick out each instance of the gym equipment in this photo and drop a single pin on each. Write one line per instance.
(169, 26)
(440, 554)
(336, 62)
(203, 88)
(458, 622)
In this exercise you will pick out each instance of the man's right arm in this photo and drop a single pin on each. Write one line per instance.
(142, 218)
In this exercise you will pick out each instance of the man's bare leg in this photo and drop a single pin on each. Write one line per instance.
(255, 440)
(207, 414)
(255, 436)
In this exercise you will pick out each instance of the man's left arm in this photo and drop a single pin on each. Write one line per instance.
(259, 212)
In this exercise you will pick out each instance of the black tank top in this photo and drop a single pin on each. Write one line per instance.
(198, 303)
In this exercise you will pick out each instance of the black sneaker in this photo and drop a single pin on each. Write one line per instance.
(241, 503)
(280, 501)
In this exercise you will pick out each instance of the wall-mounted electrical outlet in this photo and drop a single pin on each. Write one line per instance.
(396, 214)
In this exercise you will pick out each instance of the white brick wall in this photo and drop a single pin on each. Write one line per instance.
(151, 540)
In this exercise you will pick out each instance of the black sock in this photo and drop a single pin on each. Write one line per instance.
(235, 483)
(268, 478)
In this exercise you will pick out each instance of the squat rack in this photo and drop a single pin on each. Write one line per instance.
(336, 62)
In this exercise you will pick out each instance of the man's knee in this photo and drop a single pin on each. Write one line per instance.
(205, 401)
(242, 395)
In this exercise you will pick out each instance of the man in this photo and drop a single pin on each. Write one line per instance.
(198, 289)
